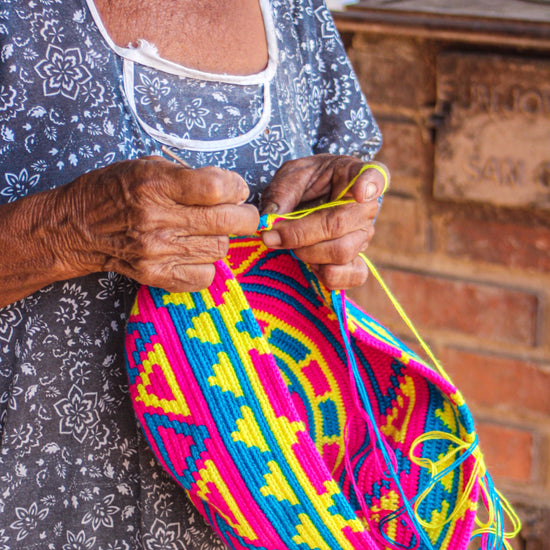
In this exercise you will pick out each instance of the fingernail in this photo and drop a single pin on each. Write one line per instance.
(370, 192)
(272, 238)
(270, 208)
(245, 194)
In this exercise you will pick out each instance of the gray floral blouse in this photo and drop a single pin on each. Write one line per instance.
(75, 472)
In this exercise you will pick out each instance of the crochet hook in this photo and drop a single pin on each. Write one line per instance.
(175, 157)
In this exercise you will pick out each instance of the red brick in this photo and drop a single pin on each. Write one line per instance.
(511, 245)
(400, 226)
(407, 156)
(380, 62)
(485, 311)
(508, 452)
(488, 380)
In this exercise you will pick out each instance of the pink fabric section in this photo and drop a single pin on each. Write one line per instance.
(316, 378)
(399, 401)
(184, 374)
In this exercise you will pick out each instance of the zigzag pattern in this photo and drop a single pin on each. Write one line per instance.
(243, 391)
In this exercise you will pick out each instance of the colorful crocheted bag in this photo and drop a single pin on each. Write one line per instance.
(294, 420)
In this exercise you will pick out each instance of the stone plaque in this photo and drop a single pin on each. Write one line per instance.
(530, 10)
(494, 142)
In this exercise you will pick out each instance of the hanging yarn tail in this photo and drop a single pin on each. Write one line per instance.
(491, 534)
(297, 421)
(390, 461)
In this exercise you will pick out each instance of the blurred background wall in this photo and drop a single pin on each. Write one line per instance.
(462, 95)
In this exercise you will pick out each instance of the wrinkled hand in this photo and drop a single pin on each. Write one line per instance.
(159, 223)
(328, 240)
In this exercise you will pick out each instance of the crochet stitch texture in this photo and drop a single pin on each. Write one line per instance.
(245, 394)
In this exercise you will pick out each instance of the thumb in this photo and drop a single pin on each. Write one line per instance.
(297, 181)
(280, 197)
(371, 182)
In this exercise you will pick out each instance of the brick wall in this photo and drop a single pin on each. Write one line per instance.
(473, 276)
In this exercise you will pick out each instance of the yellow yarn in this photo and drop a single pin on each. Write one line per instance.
(479, 470)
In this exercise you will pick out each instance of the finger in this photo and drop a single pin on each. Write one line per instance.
(191, 278)
(323, 225)
(171, 275)
(341, 277)
(297, 181)
(337, 251)
(161, 246)
(371, 183)
(327, 176)
(205, 186)
(222, 219)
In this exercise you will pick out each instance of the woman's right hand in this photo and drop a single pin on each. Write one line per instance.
(150, 219)
(159, 223)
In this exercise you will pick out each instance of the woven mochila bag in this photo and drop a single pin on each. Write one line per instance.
(295, 421)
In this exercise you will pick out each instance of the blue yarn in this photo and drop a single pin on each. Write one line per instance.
(337, 302)
(494, 541)
(490, 541)
(455, 464)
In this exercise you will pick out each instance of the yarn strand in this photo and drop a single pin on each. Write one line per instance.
(249, 392)
(492, 533)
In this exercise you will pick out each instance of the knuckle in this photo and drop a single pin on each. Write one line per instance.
(209, 276)
(144, 219)
(370, 210)
(368, 236)
(363, 276)
(197, 217)
(350, 275)
(215, 190)
(359, 273)
(214, 182)
(150, 274)
(193, 279)
(335, 223)
(144, 267)
(131, 179)
(146, 248)
(365, 237)
(192, 249)
(292, 164)
(293, 235)
(225, 215)
(222, 246)
(343, 253)
(144, 176)
(141, 245)
(251, 217)
(331, 276)
(212, 220)
(178, 273)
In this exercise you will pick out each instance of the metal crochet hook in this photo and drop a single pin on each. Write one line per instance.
(175, 157)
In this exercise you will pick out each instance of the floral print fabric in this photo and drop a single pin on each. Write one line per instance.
(75, 472)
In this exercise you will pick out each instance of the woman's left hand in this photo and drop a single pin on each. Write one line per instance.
(330, 239)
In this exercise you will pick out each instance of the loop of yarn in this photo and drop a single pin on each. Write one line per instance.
(294, 420)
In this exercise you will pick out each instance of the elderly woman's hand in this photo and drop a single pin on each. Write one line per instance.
(329, 240)
(156, 222)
